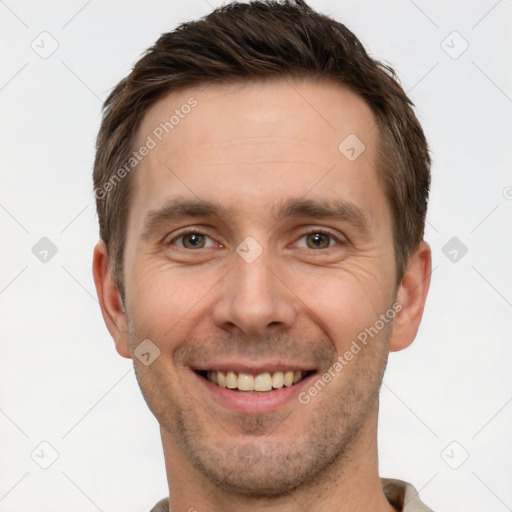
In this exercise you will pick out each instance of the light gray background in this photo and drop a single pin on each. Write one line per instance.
(61, 382)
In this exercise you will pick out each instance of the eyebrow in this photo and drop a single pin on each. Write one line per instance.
(178, 208)
(339, 209)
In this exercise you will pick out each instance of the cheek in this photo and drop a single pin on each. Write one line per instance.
(164, 299)
(344, 302)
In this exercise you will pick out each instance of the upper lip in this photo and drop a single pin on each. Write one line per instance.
(254, 369)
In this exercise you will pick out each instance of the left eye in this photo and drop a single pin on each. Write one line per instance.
(318, 240)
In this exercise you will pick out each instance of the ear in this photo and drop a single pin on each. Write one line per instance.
(412, 294)
(111, 304)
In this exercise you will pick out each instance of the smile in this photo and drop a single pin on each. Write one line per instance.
(262, 382)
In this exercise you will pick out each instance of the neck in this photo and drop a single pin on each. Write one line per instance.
(351, 484)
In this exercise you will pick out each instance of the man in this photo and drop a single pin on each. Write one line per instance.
(262, 187)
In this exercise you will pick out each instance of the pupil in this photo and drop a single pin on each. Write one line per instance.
(194, 239)
(318, 239)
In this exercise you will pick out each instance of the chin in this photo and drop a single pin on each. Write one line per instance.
(263, 467)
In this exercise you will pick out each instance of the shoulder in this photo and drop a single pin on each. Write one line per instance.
(161, 506)
(403, 496)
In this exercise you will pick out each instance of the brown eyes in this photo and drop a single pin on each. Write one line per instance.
(193, 240)
(197, 240)
(318, 240)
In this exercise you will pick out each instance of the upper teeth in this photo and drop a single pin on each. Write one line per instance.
(248, 382)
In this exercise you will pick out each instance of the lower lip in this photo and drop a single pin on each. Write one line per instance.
(255, 403)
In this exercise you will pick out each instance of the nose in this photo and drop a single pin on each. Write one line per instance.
(255, 297)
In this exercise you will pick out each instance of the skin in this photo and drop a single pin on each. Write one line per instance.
(250, 147)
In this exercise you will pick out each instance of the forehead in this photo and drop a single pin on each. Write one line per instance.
(256, 141)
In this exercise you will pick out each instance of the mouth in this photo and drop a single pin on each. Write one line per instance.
(261, 383)
(252, 389)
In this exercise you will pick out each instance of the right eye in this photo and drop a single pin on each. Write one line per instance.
(191, 239)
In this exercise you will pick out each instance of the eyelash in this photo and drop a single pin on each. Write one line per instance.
(190, 231)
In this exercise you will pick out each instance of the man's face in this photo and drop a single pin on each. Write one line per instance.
(291, 259)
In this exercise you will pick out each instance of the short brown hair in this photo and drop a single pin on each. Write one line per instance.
(258, 41)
